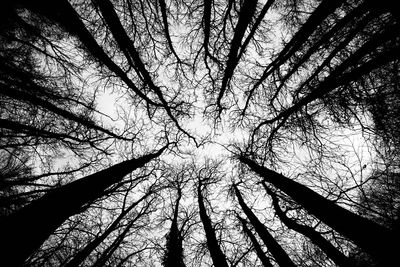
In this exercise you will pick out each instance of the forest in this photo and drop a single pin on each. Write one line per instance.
(199, 133)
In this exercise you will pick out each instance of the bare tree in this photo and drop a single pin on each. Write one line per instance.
(353, 226)
(213, 246)
(260, 253)
(303, 94)
(281, 257)
(331, 251)
(79, 193)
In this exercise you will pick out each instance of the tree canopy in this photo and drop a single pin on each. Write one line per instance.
(199, 133)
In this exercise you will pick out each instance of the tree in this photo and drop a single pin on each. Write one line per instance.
(79, 193)
(333, 253)
(12, 168)
(276, 250)
(216, 253)
(85, 252)
(174, 243)
(296, 102)
(340, 219)
(260, 253)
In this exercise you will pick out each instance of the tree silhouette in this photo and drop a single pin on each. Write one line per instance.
(199, 133)
(216, 253)
(42, 210)
(272, 245)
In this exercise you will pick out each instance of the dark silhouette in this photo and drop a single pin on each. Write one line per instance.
(260, 253)
(281, 257)
(307, 88)
(331, 251)
(345, 222)
(50, 211)
(174, 246)
(216, 253)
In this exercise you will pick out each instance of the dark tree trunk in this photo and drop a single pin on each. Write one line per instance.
(331, 251)
(124, 42)
(276, 250)
(216, 253)
(64, 14)
(373, 238)
(349, 70)
(37, 101)
(245, 16)
(163, 8)
(89, 248)
(33, 131)
(260, 253)
(24, 231)
(206, 25)
(108, 252)
(174, 249)
(324, 9)
(132, 55)
(254, 28)
(357, 25)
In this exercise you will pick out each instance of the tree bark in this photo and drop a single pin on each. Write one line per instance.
(324, 9)
(163, 8)
(108, 252)
(37, 101)
(254, 28)
(33, 131)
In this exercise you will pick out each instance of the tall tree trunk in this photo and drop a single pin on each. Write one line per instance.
(254, 27)
(276, 250)
(108, 252)
(174, 249)
(37, 101)
(216, 253)
(246, 14)
(330, 250)
(324, 9)
(206, 21)
(33, 131)
(25, 230)
(260, 253)
(368, 235)
(85, 252)
(127, 47)
(65, 15)
(163, 8)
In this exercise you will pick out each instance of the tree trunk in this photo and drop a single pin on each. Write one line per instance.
(245, 16)
(108, 252)
(217, 255)
(260, 253)
(276, 250)
(174, 249)
(330, 250)
(25, 230)
(64, 14)
(37, 101)
(85, 252)
(368, 235)
(324, 9)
